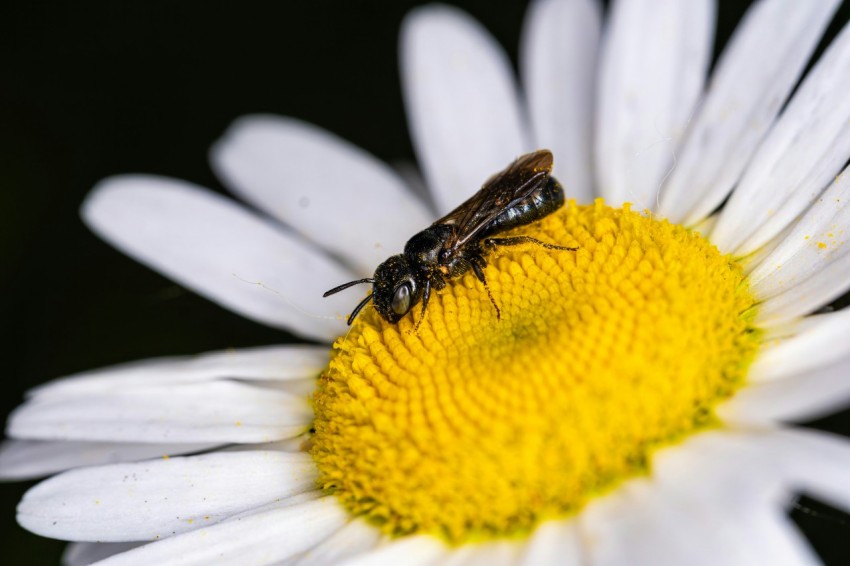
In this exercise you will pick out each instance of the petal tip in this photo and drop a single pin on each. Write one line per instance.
(434, 18)
(99, 205)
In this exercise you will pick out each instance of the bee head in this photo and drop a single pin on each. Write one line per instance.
(395, 289)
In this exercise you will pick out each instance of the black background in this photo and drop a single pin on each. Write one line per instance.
(93, 89)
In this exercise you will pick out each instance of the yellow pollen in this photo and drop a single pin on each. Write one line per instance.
(474, 428)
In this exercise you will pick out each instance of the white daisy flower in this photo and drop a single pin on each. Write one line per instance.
(630, 406)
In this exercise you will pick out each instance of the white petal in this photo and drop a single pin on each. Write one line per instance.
(792, 327)
(294, 444)
(776, 540)
(646, 522)
(755, 74)
(716, 469)
(745, 467)
(743, 535)
(720, 475)
(758, 534)
(705, 225)
(303, 387)
(821, 345)
(85, 553)
(352, 540)
(819, 238)
(221, 251)
(649, 526)
(654, 60)
(558, 54)
(710, 500)
(820, 392)
(26, 459)
(821, 289)
(413, 180)
(160, 498)
(217, 412)
(553, 543)
(461, 101)
(607, 526)
(270, 363)
(815, 463)
(334, 193)
(750, 262)
(419, 550)
(801, 155)
(265, 537)
(496, 553)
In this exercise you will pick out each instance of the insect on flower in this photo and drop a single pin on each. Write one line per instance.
(451, 246)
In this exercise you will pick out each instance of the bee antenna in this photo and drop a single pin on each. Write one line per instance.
(345, 286)
(358, 308)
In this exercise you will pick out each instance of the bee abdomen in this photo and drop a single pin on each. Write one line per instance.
(535, 206)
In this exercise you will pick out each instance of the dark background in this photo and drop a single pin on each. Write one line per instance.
(93, 89)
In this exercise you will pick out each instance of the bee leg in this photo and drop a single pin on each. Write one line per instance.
(516, 240)
(426, 294)
(477, 263)
(436, 280)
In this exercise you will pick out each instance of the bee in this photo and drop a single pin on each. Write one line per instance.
(460, 241)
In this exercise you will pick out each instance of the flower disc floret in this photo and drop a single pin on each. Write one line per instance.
(472, 427)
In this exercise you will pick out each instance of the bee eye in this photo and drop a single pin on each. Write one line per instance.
(401, 300)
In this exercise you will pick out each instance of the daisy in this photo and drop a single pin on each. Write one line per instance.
(630, 406)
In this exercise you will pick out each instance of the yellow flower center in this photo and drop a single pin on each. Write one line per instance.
(475, 427)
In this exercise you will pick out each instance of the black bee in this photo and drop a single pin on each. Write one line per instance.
(458, 242)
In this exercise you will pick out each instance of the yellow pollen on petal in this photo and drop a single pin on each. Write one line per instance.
(473, 428)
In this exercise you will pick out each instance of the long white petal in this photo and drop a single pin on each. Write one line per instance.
(752, 261)
(217, 412)
(723, 474)
(495, 553)
(353, 539)
(654, 59)
(822, 345)
(723, 465)
(461, 101)
(553, 543)
(161, 498)
(609, 525)
(266, 363)
(264, 537)
(755, 74)
(558, 55)
(85, 553)
(213, 246)
(793, 327)
(334, 193)
(776, 539)
(422, 550)
(832, 281)
(28, 459)
(801, 155)
(294, 444)
(637, 527)
(819, 238)
(813, 462)
(819, 392)
(634, 526)
(760, 534)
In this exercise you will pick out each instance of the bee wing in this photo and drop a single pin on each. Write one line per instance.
(501, 192)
